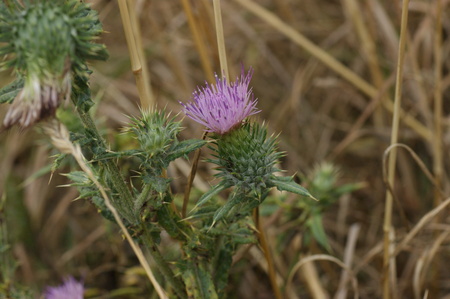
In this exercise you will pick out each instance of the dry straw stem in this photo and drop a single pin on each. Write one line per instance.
(416, 158)
(387, 225)
(321, 257)
(423, 221)
(199, 41)
(424, 262)
(332, 63)
(138, 64)
(220, 39)
(348, 260)
(437, 138)
(60, 139)
(421, 165)
(369, 51)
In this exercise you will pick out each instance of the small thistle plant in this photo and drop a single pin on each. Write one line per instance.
(47, 45)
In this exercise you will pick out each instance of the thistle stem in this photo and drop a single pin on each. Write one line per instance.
(267, 254)
(124, 203)
(176, 283)
(191, 177)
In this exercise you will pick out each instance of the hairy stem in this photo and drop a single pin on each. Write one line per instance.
(176, 283)
(123, 203)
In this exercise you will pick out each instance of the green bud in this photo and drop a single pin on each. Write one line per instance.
(155, 132)
(47, 44)
(246, 158)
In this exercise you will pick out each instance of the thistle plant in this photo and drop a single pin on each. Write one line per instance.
(323, 183)
(47, 46)
(245, 156)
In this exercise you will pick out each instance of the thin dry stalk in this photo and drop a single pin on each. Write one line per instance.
(145, 94)
(321, 257)
(437, 138)
(81, 246)
(142, 79)
(416, 158)
(199, 41)
(416, 277)
(387, 226)
(312, 280)
(60, 139)
(423, 221)
(348, 259)
(332, 63)
(427, 257)
(220, 39)
(369, 50)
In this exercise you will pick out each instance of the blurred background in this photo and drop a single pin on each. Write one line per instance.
(325, 82)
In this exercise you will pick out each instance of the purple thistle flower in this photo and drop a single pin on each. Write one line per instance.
(70, 289)
(222, 107)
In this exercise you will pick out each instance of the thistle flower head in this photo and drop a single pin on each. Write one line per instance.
(46, 43)
(246, 158)
(70, 289)
(223, 106)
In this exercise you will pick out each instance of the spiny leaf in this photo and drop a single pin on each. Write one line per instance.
(211, 193)
(315, 223)
(283, 184)
(185, 147)
(10, 91)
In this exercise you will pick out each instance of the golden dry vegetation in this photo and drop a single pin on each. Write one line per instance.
(326, 81)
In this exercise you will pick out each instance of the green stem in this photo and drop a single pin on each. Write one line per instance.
(123, 203)
(176, 283)
(142, 197)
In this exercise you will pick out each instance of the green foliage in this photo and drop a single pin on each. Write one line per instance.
(246, 159)
(157, 135)
(10, 91)
(45, 37)
(322, 182)
(9, 287)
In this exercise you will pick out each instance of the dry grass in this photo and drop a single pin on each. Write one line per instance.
(325, 78)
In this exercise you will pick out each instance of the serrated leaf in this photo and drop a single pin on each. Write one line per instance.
(220, 213)
(318, 232)
(211, 193)
(185, 147)
(79, 178)
(105, 155)
(290, 186)
(204, 212)
(10, 91)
